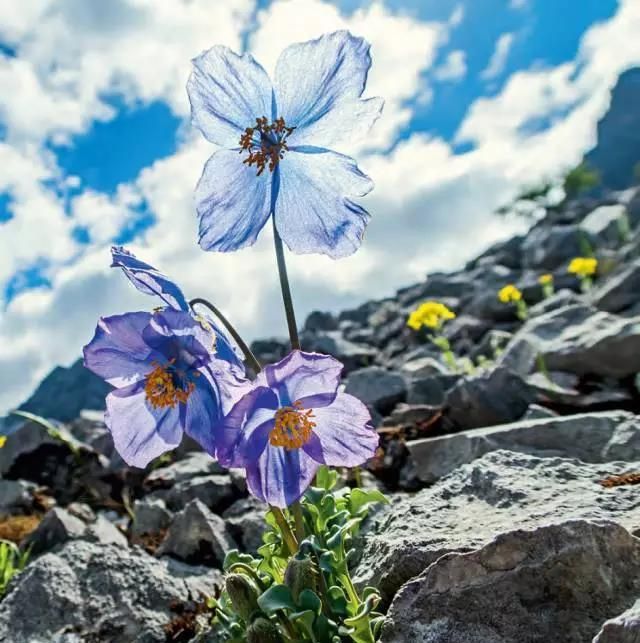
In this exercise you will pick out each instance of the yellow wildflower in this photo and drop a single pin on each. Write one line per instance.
(3, 439)
(545, 280)
(431, 314)
(583, 266)
(509, 294)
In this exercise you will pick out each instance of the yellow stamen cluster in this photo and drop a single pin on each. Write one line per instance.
(160, 388)
(431, 314)
(272, 146)
(583, 266)
(293, 427)
(509, 294)
(545, 280)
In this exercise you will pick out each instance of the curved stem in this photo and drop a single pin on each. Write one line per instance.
(286, 289)
(285, 529)
(249, 356)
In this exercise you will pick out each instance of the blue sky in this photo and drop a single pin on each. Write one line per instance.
(481, 96)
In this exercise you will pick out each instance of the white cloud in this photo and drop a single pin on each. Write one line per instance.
(453, 68)
(518, 4)
(457, 16)
(499, 57)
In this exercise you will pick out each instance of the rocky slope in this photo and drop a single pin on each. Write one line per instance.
(514, 515)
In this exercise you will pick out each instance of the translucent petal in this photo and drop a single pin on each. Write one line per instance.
(318, 85)
(227, 93)
(118, 352)
(310, 378)
(345, 435)
(232, 202)
(314, 210)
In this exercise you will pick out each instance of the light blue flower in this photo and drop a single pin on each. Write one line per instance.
(274, 140)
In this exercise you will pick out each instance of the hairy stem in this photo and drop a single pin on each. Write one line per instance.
(285, 530)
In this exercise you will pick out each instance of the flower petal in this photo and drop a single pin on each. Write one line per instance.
(314, 211)
(346, 439)
(147, 279)
(310, 378)
(318, 85)
(244, 430)
(227, 93)
(233, 204)
(140, 433)
(118, 352)
(280, 476)
(201, 415)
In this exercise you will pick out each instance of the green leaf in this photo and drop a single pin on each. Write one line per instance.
(361, 499)
(277, 597)
(308, 600)
(326, 478)
(306, 618)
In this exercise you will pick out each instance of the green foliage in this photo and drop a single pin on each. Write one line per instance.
(581, 179)
(307, 594)
(12, 561)
(56, 432)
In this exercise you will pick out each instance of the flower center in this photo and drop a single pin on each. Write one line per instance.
(266, 143)
(166, 386)
(293, 427)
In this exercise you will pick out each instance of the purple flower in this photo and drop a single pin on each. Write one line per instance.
(276, 142)
(168, 382)
(151, 281)
(293, 420)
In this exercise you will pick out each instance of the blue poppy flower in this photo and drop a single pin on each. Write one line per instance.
(275, 139)
(294, 419)
(151, 281)
(167, 379)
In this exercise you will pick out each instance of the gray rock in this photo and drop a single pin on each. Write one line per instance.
(377, 387)
(430, 390)
(494, 397)
(579, 339)
(352, 355)
(197, 535)
(619, 291)
(192, 466)
(604, 222)
(491, 345)
(622, 629)
(553, 583)
(537, 412)
(482, 499)
(105, 592)
(215, 491)
(246, 523)
(15, 496)
(547, 247)
(151, 516)
(591, 437)
(57, 527)
(561, 298)
(422, 367)
(60, 526)
(319, 320)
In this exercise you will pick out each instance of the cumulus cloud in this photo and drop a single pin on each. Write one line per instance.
(431, 208)
(454, 66)
(499, 57)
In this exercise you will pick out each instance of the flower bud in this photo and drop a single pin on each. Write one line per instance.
(263, 631)
(243, 594)
(301, 574)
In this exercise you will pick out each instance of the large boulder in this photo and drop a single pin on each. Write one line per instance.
(577, 339)
(620, 291)
(624, 628)
(590, 437)
(553, 583)
(480, 500)
(102, 592)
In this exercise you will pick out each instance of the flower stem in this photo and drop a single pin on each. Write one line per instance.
(285, 529)
(249, 356)
(296, 509)
(286, 289)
